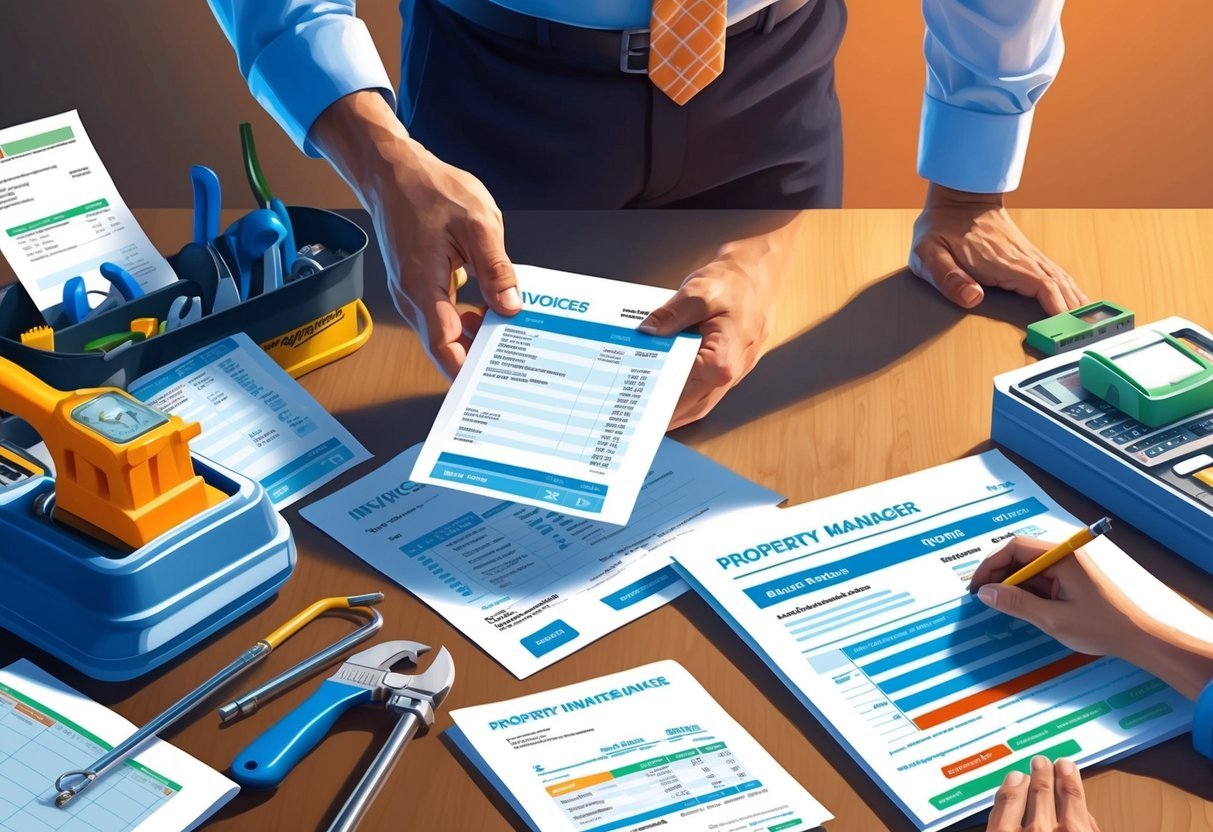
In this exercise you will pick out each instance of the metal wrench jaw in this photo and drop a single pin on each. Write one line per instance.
(371, 667)
(423, 693)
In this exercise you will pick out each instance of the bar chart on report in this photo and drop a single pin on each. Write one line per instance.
(939, 664)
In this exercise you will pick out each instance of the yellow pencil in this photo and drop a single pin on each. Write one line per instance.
(1066, 547)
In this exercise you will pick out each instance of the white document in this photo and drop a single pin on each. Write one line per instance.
(530, 585)
(564, 404)
(46, 729)
(255, 418)
(646, 748)
(61, 216)
(859, 602)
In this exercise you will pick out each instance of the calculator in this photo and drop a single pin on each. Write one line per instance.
(1159, 478)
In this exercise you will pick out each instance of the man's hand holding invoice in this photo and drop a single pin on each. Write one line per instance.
(564, 404)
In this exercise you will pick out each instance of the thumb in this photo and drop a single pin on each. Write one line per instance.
(938, 267)
(495, 273)
(1015, 602)
(691, 305)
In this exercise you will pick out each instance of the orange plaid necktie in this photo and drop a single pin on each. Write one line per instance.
(686, 46)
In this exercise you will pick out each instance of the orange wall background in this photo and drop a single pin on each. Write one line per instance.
(1128, 122)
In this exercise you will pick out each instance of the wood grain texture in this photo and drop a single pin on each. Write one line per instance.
(870, 375)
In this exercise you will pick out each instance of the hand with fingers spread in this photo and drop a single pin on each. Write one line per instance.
(431, 219)
(731, 303)
(1051, 799)
(964, 242)
(1075, 603)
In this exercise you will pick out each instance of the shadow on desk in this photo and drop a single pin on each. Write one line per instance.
(878, 327)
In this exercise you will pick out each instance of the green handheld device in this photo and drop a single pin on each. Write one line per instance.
(1079, 327)
(1156, 380)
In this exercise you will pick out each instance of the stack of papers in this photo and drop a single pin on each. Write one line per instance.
(46, 729)
(859, 603)
(531, 585)
(646, 748)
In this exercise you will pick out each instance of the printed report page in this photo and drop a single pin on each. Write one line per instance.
(643, 749)
(564, 404)
(859, 602)
(61, 216)
(528, 584)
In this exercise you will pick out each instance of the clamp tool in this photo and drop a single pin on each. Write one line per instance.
(207, 202)
(365, 678)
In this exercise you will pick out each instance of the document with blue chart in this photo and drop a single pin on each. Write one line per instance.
(859, 603)
(531, 585)
(562, 405)
(646, 748)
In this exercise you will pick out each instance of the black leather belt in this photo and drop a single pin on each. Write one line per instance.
(627, 49)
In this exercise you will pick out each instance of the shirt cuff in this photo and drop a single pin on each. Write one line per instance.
(969, 150)
(1202, 723)
(299, 74)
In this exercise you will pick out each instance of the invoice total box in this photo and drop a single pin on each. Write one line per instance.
(1149, 476)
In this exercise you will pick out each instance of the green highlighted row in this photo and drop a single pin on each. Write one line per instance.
(992, 780)
(34, 225)
(1135, 694)
(37, 142)
(1057, 726)
(645, 765)
(1153, 712)
(788, 825)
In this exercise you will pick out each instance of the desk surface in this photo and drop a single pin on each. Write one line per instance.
(870, 375)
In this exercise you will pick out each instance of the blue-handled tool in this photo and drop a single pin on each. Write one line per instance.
(207, 201)
(183, 310)
(288, 245)
(248, 238)
(364, 678)
(75, 295)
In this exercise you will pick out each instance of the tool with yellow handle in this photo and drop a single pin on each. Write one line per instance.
(133, 549)
(122, 469)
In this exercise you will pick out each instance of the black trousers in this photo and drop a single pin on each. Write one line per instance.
(543, 129)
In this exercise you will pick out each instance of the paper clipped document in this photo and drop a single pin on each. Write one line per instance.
(61, 216)
(46, 728)
(859, 602)
(645, 748)
(531, 585)
(255, 418)
(564, 404)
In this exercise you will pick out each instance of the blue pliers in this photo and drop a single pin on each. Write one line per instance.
(75, 295)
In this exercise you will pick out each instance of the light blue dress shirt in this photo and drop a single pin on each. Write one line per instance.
(988, 63)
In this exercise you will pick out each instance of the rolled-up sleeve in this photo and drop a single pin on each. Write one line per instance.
(299, 56)
(988, 63)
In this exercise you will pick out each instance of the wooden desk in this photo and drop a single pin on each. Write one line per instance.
(871, 375)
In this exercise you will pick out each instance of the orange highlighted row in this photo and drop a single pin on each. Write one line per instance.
(1007, 689)
(22, 708)
(978, 760)
(557, 789)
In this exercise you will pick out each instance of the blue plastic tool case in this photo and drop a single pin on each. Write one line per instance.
(1043, 413)
(263, 317)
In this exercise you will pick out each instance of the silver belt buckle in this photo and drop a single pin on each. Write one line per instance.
(634, 51)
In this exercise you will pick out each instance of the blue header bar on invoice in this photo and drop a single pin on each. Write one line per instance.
(162, 381)
(605, 333)
(810, 580)
(524, 473)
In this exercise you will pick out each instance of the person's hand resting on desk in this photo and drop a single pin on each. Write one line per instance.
(964, 242)
(1075, 603)
(431, 218)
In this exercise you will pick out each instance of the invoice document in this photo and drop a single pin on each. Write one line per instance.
(643, 749)
(531, 585)
(46, 729)
(255, 418)
(860, 603)
(61, 216)
(563, 405)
